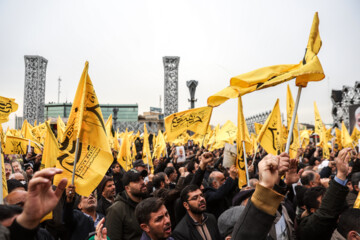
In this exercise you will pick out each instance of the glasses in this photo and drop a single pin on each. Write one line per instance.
(196, 197)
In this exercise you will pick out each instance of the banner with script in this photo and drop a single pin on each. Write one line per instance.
(195, 120)
(7, 106)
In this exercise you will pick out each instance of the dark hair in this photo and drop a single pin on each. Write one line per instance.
(158, 179)
(184, 193)
(191, 166)
(146, 207)
(311, 195)
(169, 170)
(308, 177)
(355, 178)
(8, 211)
(349, 221)
(114, 164)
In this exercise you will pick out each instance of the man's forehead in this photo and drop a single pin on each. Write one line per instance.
(196, 192)
(162, 211)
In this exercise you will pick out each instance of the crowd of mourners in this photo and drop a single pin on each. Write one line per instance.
(308, 197)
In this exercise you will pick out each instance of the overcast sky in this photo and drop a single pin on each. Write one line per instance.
(124, 42)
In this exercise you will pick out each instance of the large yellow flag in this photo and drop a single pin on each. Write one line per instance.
(60, 126)
(146, 148)
(290, 105)
(270, 136)
(87, 125)
(346, 140)
(7, 106)
(17, 145)
(241, 137)
(160, 146)
(309, 69)
(124, 156)
(51, 149)
(196, 120)
(357, 201)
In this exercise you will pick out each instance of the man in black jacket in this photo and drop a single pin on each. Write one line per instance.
(196, 224)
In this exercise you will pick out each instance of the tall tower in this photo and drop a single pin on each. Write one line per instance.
(34, 89)
(171, 90)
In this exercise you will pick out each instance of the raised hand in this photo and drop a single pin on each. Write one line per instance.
(268, 170)
(41, 198)
(342, 163)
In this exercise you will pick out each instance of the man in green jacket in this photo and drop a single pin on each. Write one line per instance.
(121, 222)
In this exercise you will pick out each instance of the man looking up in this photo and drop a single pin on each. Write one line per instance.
(154, 219)
(120, 219)
(196, 224)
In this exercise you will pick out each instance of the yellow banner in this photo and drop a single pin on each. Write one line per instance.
(4, 182)
(7, 106)
(320, 129)
(309, 69)
(86, 124)
(346, 140)
(17, 145)
(51, 149)
(270, 136)
(146, 148)
(196, 120)
(124, 156)
(60, 126)
(241, 137)
(160, 146)
(228, 132)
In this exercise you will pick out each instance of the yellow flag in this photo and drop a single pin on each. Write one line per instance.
(290, 105)
(357, 201)
(4, 182)
(241, 137)
(7, 106)
(338, 138)
(228, 132)
(258, 127)
(146, 148)
(309, 69)
(2, 135)
(124, 156)
(51, 149)
(196, 120)
(320, 129)
(160, 146)
(17, 145)
(86, 124)
(108, 128)
(270, 136)
(305, 138)
(60, 126)
(355, 135)
(346, 140)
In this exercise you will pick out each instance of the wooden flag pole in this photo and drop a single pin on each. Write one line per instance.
(75, 161)
(246, 165)
(293, 120)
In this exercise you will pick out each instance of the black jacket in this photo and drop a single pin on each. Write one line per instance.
(322, 223)
(103, 204)
(186, 229)
(218, 200)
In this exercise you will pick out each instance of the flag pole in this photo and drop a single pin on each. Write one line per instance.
(293, 120)
(75, 161)
(1, 180)
(246, 165)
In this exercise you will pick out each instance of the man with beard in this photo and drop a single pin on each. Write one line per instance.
(29, 170)
(83, 221)
(107, 191)
(121, 222)
(154, 219)
(196, 224)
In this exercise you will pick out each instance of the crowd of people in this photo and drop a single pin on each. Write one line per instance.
(307, 197)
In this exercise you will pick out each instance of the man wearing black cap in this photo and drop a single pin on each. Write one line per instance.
(139, 165)
(121, 222)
